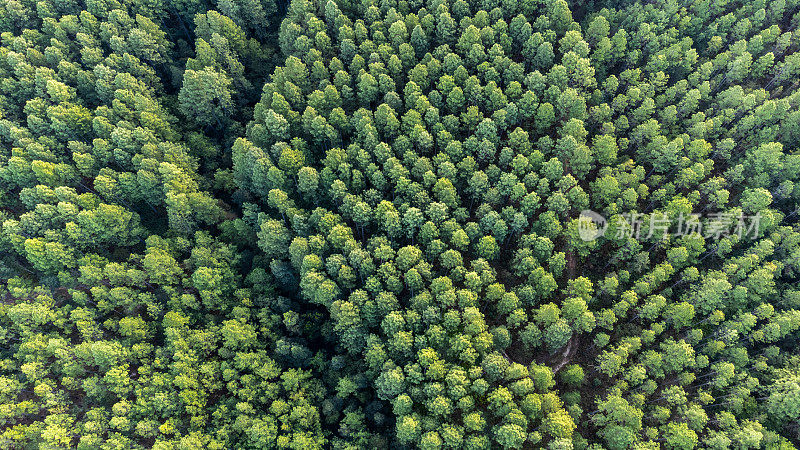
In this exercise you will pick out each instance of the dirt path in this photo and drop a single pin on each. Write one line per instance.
(572, 265)
(566, 355)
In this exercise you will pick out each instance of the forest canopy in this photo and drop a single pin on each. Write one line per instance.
(384, 224)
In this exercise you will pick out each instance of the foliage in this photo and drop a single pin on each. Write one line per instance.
(258, 224)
